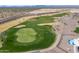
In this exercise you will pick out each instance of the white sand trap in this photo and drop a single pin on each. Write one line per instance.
(53, 23)
(19, 26)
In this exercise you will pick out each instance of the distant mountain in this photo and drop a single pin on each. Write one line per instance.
(41, 6)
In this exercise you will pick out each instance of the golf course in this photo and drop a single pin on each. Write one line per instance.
(29, 35)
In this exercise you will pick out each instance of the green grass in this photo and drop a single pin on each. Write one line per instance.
(43, 19)
(60, 15)
(38, 37)
(76, 30)
(0, 37)
(26, 35)
(1, 40)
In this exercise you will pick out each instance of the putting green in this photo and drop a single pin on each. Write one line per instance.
(26, 35)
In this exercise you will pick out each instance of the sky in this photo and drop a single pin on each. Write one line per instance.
(39, 2)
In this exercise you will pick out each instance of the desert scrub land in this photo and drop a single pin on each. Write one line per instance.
(29, 36)
(76, 30)
(9, 12)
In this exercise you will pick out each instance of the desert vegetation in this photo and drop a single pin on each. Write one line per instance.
(8, 12)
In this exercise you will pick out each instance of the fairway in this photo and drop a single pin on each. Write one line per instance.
(26, 35)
